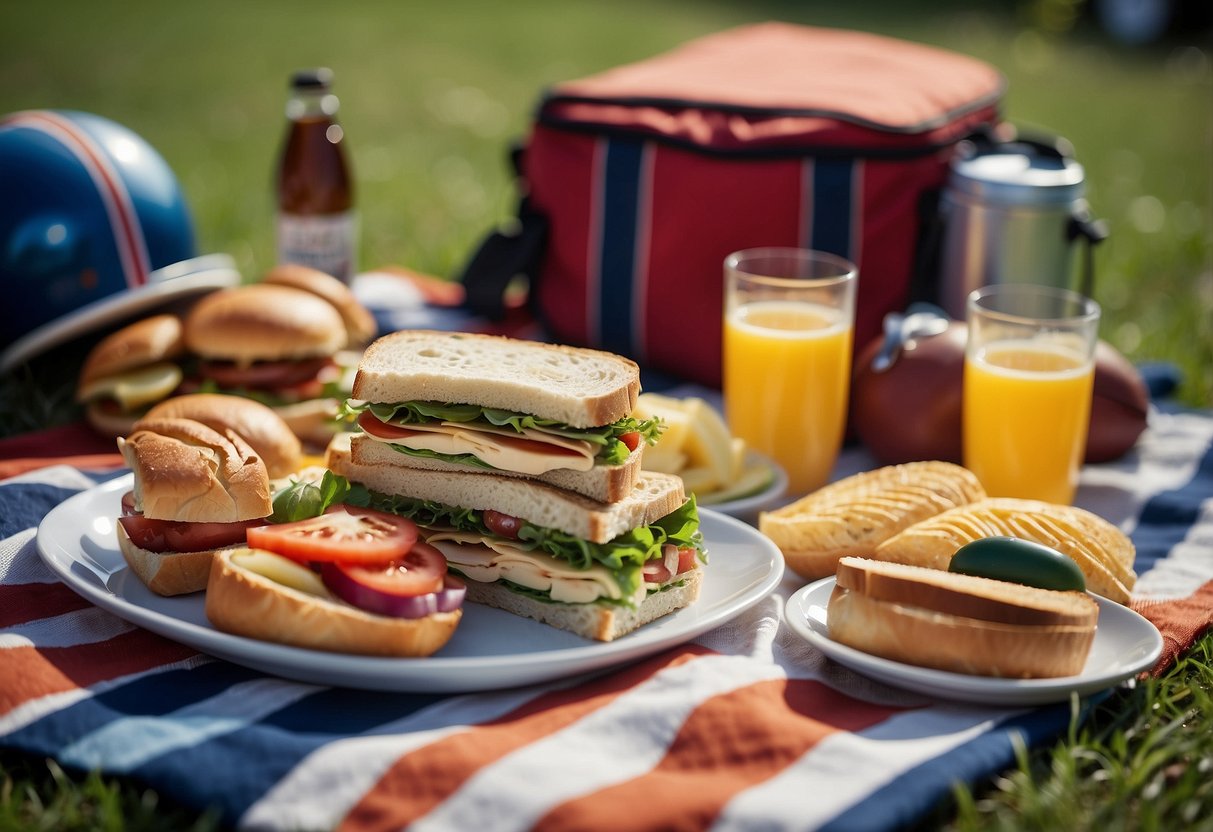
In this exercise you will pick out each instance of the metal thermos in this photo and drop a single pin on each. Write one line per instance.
(1012, 213)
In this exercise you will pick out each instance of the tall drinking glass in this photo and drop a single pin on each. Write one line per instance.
(788, 322)
(1029, 373)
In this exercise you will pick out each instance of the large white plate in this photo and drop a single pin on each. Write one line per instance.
(490, 649)
(1125, 644)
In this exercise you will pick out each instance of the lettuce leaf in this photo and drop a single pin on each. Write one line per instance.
(301, 499)
(611, 450)
(624, 556)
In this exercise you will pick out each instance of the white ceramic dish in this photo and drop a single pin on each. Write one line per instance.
(491, 649)
(171, 283)
(1125, 644)
(747, 508)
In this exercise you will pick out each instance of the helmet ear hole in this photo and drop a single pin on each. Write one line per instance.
(90, 211)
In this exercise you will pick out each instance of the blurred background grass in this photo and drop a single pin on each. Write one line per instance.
(433, 93)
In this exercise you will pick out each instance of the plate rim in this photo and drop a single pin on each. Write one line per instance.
(964, 687)
(458, 672)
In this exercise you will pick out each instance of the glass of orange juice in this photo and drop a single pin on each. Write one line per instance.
(1028, 377)
(788, 321)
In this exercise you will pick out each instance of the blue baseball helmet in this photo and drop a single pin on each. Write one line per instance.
(90, 213)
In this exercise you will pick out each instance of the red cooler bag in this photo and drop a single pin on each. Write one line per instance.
(646, 176)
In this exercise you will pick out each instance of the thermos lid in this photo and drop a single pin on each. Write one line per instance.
(1016, 174)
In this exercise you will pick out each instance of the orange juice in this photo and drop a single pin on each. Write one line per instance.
(787, 370)
(1027, 407)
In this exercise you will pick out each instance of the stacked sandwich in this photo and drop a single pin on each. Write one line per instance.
(522, 463)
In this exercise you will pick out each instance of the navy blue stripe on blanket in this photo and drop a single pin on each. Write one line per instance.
(26, 502)
(909, 798)
(1168, 516)
(617, 263)
(278, 743)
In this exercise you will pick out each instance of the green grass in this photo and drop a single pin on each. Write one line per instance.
(432, 94)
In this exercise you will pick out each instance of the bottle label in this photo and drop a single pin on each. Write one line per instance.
(325, 242)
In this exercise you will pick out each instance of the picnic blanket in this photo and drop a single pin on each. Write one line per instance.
(746, 727)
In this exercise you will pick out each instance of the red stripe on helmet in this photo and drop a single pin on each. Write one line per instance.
(128, 234)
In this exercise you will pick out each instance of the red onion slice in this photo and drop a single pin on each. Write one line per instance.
(374, 600)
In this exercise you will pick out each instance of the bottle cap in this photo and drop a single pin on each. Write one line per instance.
(318, 78)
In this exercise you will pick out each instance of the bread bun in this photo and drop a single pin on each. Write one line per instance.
(360, 324)
(960, 623)
(166, 573)
(128, 369)
(263, 323)
(912, 410)
(184, 470)
(1103, 552)
(246, 603)
(260, 426)
(855, 515)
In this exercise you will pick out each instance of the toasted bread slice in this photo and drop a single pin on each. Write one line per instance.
(594, 621)
(576, 386)
(960, 623)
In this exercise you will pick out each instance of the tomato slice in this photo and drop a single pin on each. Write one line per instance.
(346, 534)
(180, 536)
(505, 525)
(375, 586)
(264, 375)
(632, 439)
(658, 572)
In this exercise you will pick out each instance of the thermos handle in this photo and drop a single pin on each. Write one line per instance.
(1092, 231)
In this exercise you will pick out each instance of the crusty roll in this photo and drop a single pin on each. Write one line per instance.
(184, 470)
(960, 623)
(360, 324)
(1103, 552)
(243, 602)
(263, 322)
(129, 369)
(166, 573)
(260, 426)
(854, 515)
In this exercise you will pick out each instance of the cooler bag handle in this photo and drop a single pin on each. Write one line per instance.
(512, 250)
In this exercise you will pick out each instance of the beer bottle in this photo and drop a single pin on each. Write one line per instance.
(316, 224)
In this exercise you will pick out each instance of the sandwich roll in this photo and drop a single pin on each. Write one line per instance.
(295, 608)
(360, 324)
(129, 370)
(855, 515)
(186, 471)
(960, 623)
(196, 490)
(260, 426)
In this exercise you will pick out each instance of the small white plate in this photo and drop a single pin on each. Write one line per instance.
(490, 649)
(173, 282)
(1125, 644)
(748, 507)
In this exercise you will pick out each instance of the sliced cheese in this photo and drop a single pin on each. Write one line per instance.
(489, 560)
(136, 388)
(531, 452)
